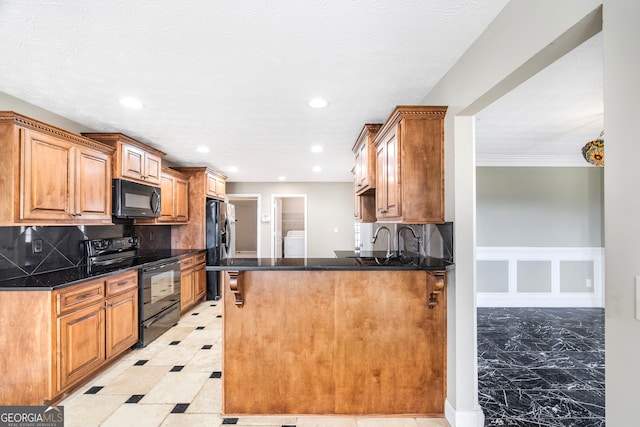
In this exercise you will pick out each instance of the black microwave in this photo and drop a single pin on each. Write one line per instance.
(133, 200)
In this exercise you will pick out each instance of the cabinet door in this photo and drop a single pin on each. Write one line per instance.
(121, 323)
(187, 296)
(200, 281)
(221, 187)
(181, 199)
(152, 169)
(81, 340)
(47, 177)
(166, 198)
(388, 204)
(362, 167)
(93, 185)
(132, 162)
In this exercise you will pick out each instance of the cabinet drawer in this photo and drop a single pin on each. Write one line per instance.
(122, 282)
(201, 258)
(79, 296)
(187, 263)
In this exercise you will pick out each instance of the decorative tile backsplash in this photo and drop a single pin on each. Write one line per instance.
(33, 250)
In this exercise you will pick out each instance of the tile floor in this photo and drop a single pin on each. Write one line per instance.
(176, 381)
(541, 366)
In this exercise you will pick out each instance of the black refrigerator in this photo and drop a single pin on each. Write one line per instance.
(216, 219)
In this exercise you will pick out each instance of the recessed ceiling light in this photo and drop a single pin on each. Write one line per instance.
(282, 178)
(316, 149)
(232, 169)
(317, 169)
(202, 149)
(318, 103)
(131, 102)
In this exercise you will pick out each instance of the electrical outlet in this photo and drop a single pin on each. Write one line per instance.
(637, 297)
(589, 284)
(36, 246)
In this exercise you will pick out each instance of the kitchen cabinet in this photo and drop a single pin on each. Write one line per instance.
(193, 281)
(95, 322)
(53, 340)
(174, 200)
(216, 185)
(365, 155)
(50, 176)
(410, 166)
(133, 160)
(200, 276)
(364, 207)
(193, 234)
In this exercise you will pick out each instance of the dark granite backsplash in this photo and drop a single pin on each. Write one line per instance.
(61, 247)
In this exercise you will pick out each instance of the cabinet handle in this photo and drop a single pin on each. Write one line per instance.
(122, 283)
(359, 185)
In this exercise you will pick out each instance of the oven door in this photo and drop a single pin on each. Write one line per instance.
(160, 288)
(152, 328)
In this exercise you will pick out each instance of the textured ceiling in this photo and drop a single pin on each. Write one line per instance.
(236, 76)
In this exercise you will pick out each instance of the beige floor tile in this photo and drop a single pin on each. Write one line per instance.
(135, 380)
(275, 420)
(202, 337)
(432, 422)
(209, 398)
(176, 387)
(203, 361)
(191, 420)
(88, 410)
(326, 422)
(177, 333)
(387, 422)
(173, 355)
(139, 415)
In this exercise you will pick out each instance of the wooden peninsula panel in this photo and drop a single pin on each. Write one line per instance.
(334, 342)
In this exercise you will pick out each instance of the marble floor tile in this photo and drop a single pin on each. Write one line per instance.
(208, 400)
(134, 380)
(191, 420)
(85, 410)
(177, 387)
(541, 367)
(326, 421)
(140, 415)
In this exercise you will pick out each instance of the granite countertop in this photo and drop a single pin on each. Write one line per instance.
(69, 276)
(346, 262)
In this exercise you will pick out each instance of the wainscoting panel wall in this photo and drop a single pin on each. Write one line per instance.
(540, 277)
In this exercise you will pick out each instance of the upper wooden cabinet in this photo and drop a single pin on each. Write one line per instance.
(133, 160)
(365, 151)
(174, 206)
(50, 176)
(410, 166)
(216, 185)
(202, 181)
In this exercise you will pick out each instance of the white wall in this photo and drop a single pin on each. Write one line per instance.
(524, 38)
(622, 208)
(329, 210)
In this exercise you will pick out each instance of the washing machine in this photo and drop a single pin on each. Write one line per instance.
(294, 244)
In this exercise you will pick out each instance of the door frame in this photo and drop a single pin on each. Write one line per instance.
(230, 198)
(273, 217)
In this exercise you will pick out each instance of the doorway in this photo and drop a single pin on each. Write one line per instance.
(289, 226)
(247, 228)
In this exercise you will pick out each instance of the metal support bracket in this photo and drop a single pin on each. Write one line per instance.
(235, 285)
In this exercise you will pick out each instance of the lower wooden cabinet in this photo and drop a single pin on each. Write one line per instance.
(54, 340)
(88, 337)
(193, 281)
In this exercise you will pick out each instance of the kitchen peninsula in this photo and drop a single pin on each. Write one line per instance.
(334, 336)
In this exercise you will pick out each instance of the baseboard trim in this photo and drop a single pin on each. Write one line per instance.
(455, 418)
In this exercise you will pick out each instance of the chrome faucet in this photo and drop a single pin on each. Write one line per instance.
(415, 236)
(375, 237)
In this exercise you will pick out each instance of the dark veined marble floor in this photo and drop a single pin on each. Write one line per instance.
(541, 366)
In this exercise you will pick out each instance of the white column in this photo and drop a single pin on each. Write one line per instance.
(462, 408)
(621, 26)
